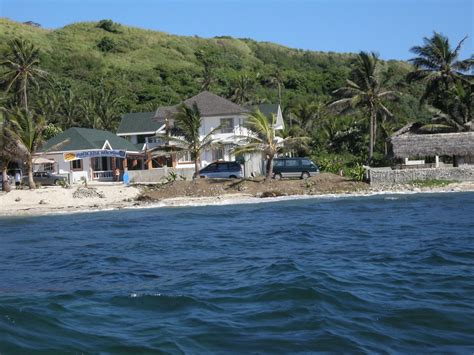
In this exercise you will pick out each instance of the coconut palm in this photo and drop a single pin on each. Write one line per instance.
(108, 107)
(437, 65)
(262, 139)
(187, 122)
(277, 80)
(90, 119)
(22, 69)
(26, 128)
(243, 89)
(366, 92)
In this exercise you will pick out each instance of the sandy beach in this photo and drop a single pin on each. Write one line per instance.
(100, 197)
(55, 199)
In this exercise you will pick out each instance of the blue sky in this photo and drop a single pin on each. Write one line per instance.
(389, 27)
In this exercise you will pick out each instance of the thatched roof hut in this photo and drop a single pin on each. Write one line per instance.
(409, 142)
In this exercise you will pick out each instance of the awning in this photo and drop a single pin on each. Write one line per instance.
(41, 160)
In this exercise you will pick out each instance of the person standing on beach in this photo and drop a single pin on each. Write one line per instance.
(17, 179)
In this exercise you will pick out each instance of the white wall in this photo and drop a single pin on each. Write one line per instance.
(63, 167)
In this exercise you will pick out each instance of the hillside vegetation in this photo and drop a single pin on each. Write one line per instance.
(149, 68)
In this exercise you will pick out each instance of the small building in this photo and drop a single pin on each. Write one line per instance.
(455, 149)
(427, 156)
(90, 154)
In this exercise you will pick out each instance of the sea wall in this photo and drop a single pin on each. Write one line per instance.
(387, 176)
(157, 175)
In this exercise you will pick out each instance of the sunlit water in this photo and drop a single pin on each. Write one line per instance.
(360, 274)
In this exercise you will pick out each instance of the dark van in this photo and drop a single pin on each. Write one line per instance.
(222, 169)
(294, 167)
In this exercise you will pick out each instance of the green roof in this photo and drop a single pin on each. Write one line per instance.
(138, 122)
(85, 139)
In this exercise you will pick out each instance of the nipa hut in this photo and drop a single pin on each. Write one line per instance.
(410, 142)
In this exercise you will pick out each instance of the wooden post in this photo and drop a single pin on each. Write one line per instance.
(125, 164)
(149, 162)
(437, 161)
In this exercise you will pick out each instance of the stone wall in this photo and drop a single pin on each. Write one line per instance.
(157, 175)
(387, 176)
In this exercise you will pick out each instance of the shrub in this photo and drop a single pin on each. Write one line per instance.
(106, 44)
(431, 183)
(108, 25)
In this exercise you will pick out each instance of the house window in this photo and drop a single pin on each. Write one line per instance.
(49, 167)
(227, 125)
(218, 153)
(183, 157)
(76, 164)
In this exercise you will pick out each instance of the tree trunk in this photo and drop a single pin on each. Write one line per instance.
(196, 166)
(5, 184)
(371, 137)
(29, 166)
(269, 168)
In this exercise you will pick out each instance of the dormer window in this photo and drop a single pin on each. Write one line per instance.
(227, 125)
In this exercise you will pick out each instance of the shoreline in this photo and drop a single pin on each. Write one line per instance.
(126, 199)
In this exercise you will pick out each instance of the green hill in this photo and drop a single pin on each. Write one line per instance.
(150, 67)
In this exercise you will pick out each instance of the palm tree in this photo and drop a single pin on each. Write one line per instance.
(437, 65)
(70, 110)
(108, 107)
(22, 69)
(90, 119)
(208, 61)
(276, 80)
(243, 89)
(262, 139)
(26, 129)
(187, 122)
(366, 92)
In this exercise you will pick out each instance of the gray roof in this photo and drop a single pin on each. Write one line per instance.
(266, 109)
(209, 104)
(408, 142)
(138, 122)
(85, 139)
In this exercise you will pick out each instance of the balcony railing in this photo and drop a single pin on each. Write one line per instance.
(107, 175)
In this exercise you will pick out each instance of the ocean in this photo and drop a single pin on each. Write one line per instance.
(385, 274)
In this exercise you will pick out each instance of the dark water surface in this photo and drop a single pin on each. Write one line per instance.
(366, 274)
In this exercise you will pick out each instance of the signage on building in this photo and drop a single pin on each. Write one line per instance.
(94, 154)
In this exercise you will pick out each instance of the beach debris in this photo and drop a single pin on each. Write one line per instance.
(87, 192)
(274, 193)
(18, 199)
(42, 202)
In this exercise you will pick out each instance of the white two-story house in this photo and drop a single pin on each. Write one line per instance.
(215, 112)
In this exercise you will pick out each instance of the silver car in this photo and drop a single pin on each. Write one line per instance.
(223, 170)
(45, 178)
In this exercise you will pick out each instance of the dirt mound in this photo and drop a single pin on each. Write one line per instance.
(315, 185)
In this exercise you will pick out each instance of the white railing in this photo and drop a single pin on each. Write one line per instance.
(103, 175)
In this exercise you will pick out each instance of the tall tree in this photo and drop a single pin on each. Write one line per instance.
(209, 62)
(187, 122)
(22, 69)
(262, 139)
(277, 80)
(108, 107)
(437, 65)
(244, 88)
(366, 92)
(26, 128)
(70, 110)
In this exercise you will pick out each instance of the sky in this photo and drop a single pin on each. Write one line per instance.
(388, 27)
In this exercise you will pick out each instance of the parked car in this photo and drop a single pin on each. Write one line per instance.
(294, 167)
(45, 178)
(222, 169)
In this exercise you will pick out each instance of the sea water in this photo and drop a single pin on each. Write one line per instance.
(360, 274)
